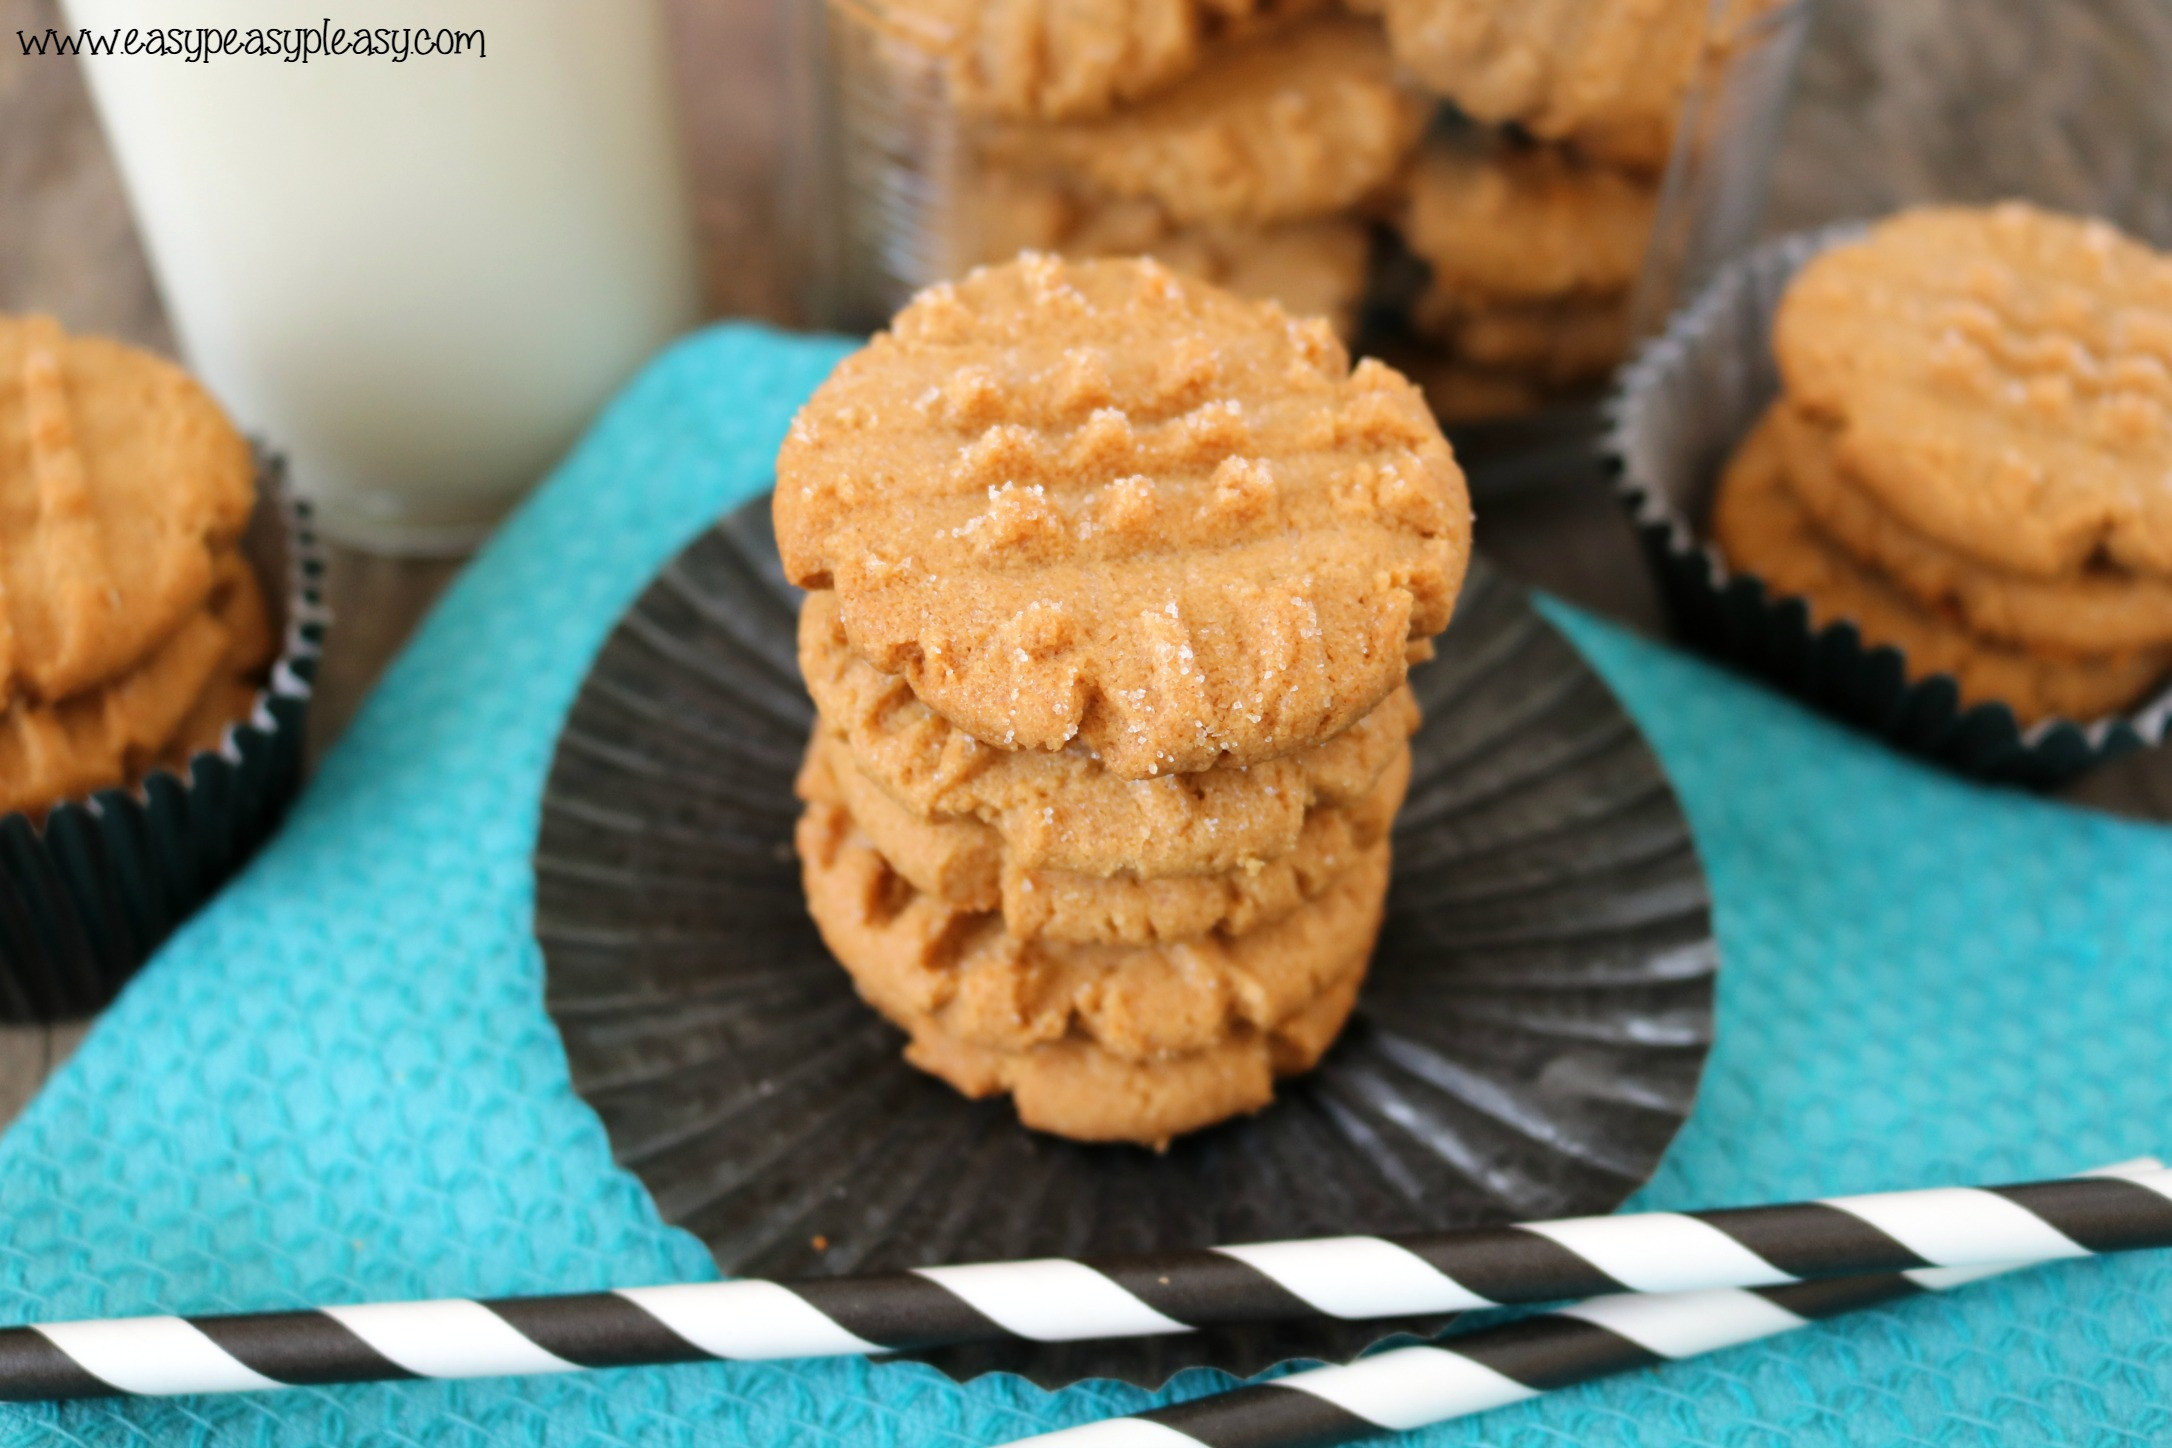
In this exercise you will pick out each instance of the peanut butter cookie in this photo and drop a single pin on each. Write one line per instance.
(1078, 1089)
(1555, 345)
(1061, 811)
(961, 861)
(1301, 123)
(1766, 533)
(237, 600)
(1608, 75)
(1999, 378)
(912, 954)
(1055, 59)
(1313, 268)
(1500, 220)
(2097, 610)
(1094, 502)
(120, 480)
(1459, 393)
(949, 976)
(108, 736)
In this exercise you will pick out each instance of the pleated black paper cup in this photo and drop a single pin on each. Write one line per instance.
(1528, 1041)
(1683, 407)
(89, 894)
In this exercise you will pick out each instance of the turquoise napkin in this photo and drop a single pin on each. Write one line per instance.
(338, 1083)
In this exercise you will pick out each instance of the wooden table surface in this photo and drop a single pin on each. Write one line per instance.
(67, 246)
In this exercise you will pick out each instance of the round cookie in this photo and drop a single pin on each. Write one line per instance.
(1461, 394)
(120, 480)
(2000, 378)
(1097, 1043)
(1055, 59)
(1301, 123)
(912, 955)
(1764, 532)
(105, 738)
(1554, 344)
(1059, 810)
(1096, 502)
(1609, 75)
(1313, 268)
(1500, 221)
(2098, 610)
(251, 644)
(1077, 1089)
(960, 861)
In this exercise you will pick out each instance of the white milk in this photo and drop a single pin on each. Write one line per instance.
(418, 279)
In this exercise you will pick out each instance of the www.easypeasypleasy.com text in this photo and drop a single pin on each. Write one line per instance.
(293, 44)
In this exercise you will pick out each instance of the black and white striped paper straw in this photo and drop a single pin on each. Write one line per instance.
(1060, 1300)
(1414, 1387)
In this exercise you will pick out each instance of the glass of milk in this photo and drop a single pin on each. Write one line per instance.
(418, 278)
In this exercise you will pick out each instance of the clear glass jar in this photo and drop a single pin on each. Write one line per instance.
(1978, 101)
(1496, 248)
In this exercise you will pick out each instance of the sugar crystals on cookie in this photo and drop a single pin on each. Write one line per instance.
(1098, 502)
(1115, 582)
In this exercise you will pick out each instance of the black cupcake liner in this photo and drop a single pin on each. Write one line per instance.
(1682, 408)
(86, 897)
(1526, 1045)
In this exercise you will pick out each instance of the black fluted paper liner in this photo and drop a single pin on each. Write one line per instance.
(89, 895)
(1528, 1043)
(1683, 406)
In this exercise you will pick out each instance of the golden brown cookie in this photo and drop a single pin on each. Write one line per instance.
(1059, 810)
(1766, 533)
(961, 862)
(1099, 1042)
(1077, 1089)
(1304, 122)
(913, 955)
(2001, 378)
(1095, 502)
(1609, 75)
(2097, 610)
(1053, 59)
(1500, 221)
(106, 737)
(1555, 345)
(237, 600)
(1313, 268)
(1460, 394)
(120, 479)
(958, 861)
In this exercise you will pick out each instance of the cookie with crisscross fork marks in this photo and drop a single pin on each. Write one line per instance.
(1096, 502)
(121, 482)
(1999, 378)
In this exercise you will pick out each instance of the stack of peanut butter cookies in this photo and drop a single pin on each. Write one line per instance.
(1115, 580)
(1264, 144)
(1243, 143)
(1531, 252)
(131, 630)
(1533, 217)
(1972, 461)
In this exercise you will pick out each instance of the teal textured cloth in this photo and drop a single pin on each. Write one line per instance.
(338, 1082)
